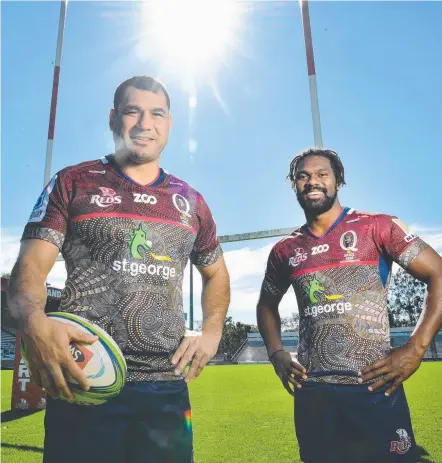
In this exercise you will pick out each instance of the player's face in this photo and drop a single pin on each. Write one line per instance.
(316, 187)
(141, 125)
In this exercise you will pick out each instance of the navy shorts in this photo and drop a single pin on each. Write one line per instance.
(349, 424)
(147, 422)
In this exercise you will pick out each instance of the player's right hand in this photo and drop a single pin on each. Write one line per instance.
(48, 353)
(288, 371)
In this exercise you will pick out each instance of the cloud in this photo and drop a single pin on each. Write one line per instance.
(431, 235)
(246, 267)
(10, 247)
(434, 240)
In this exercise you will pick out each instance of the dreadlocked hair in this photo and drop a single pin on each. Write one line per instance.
(332, 156)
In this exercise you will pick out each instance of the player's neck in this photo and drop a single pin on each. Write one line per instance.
(144, 174)
(319, 224)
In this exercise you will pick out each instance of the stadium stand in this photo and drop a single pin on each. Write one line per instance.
(7, 345)
(7, 348)
(399, 336)
(219, 359)
(254, 350)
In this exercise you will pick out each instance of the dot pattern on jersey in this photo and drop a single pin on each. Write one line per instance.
(336, 343)
(142, 310)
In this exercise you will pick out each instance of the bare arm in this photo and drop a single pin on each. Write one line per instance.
(215, 301)
(215, 297)
(402, 362)
(27, 285)
(427, 267)
(269, 325)
(269, 321)
(47, 341)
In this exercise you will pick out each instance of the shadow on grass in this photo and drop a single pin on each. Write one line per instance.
(12, 415)
(423, 455)
(28, 448)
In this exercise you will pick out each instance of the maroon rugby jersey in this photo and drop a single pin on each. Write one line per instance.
(125, 247)
(341, 282)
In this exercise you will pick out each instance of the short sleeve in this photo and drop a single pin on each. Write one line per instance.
(49, 217)
(398, 241)
(276, 279)
(207, 249)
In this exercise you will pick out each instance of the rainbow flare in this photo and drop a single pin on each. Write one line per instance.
(188, 416)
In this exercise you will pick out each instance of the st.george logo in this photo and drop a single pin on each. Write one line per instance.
(316, 289)
(107, 197)
(323, 302)
(140, 248)
(138, 243)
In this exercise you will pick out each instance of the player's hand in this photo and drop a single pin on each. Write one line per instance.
(288, 371)
(48, 353)
(397, 366)
(198, 348)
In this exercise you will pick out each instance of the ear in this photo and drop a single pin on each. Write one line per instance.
(112, 117)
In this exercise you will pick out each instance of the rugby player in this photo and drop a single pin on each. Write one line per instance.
(126, 229)
(346, 380)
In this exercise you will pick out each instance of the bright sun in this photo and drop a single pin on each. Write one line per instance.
(189, 38)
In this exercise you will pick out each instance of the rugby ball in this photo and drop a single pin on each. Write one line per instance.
(102, 362)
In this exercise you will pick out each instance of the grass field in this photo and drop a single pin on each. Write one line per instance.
(241, 414)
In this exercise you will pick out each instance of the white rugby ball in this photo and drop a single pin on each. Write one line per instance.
(102, 362)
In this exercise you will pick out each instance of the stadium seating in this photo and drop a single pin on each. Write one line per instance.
(438, 343)
(399, 336)
(219, 359)
(254, 350)
(7, 345)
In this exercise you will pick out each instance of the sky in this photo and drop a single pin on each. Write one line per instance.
(237, 127)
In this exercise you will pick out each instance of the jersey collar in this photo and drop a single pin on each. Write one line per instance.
(344, 212)
(160, 178)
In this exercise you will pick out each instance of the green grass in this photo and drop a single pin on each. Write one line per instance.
(239, 411)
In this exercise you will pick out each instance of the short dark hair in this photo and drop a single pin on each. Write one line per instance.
(147, 83)
(332, 156)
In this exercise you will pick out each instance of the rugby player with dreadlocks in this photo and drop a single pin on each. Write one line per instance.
(346, 379)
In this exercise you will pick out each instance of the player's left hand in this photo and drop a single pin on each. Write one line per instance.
(198, 348)
(396, 367)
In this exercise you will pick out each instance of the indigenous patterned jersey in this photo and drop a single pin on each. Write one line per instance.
(125, 247)
(341, 281)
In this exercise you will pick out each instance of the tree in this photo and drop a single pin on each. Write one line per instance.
(234, 334)
(198, 326)
(405, 299)
(6, 275)
(290, 323)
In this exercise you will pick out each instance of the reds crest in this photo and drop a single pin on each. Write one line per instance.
(403, 445)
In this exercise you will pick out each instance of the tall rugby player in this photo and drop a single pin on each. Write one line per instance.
(126, 229)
